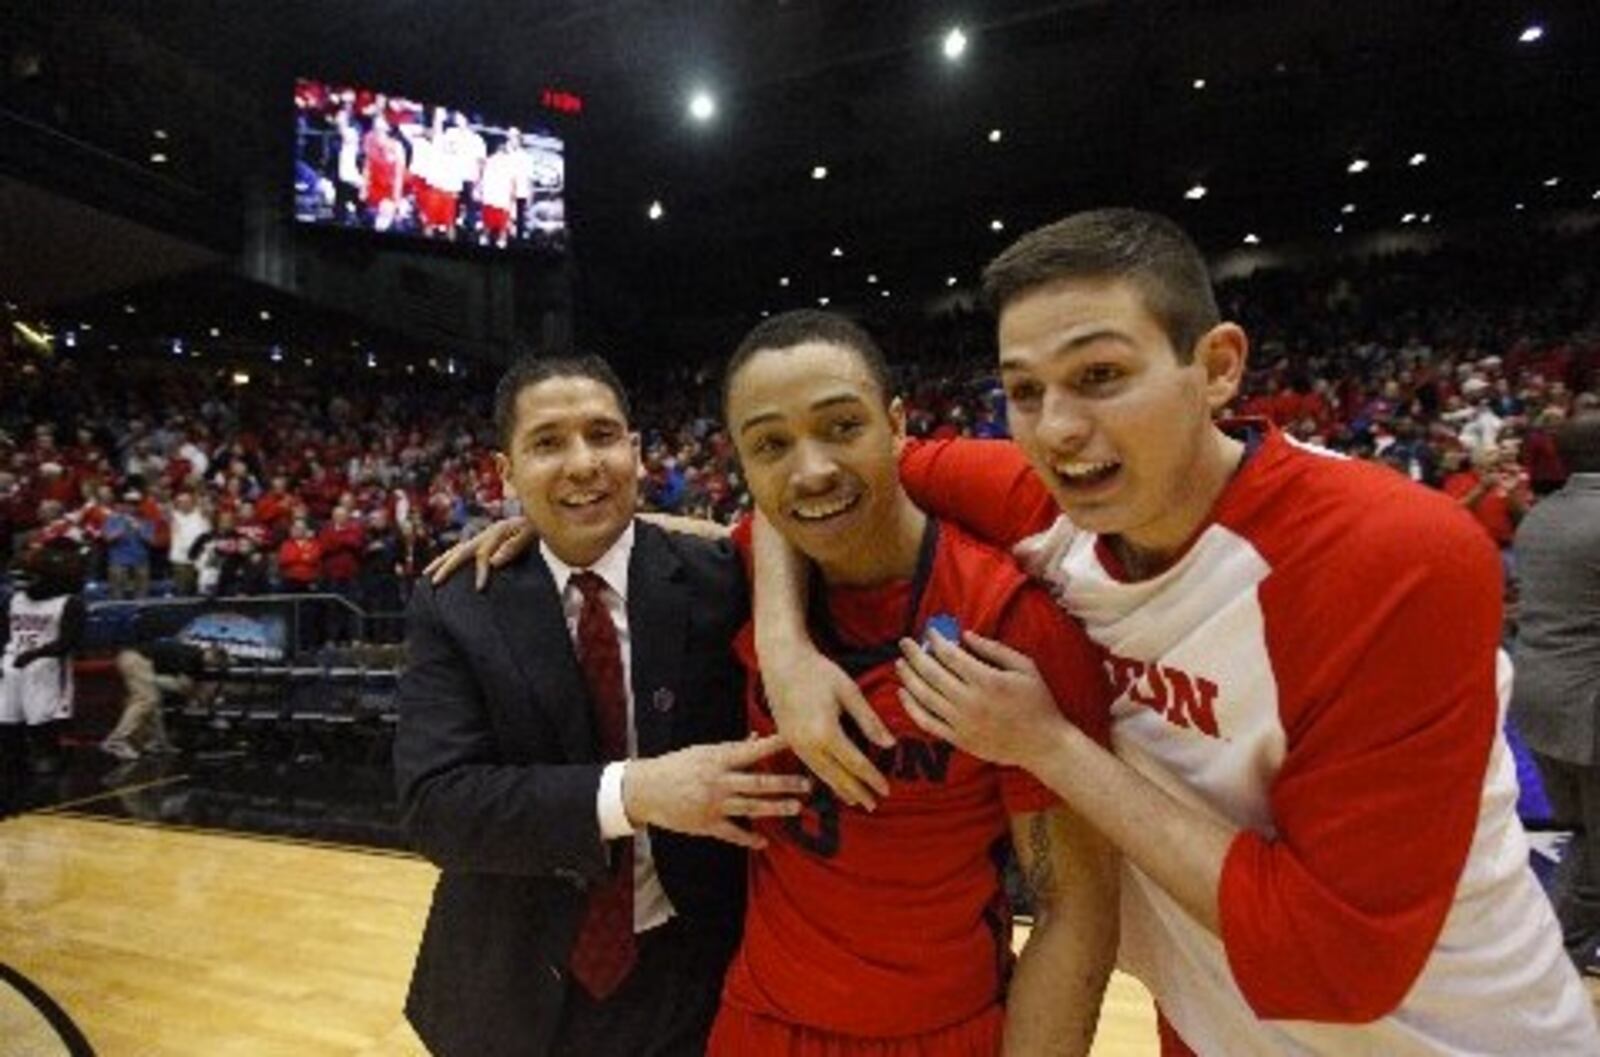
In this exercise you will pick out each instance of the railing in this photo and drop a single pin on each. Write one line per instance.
(249, 627)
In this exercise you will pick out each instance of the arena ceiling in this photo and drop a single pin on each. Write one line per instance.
(1096, 102)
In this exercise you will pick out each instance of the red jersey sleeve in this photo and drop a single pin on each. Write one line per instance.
(1379, 794)
(1070, 665)
(985, 486)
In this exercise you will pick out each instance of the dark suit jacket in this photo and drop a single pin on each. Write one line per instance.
(498, 778)
(1555, 699)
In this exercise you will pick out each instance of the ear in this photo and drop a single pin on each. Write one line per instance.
(897, 420)
(502, 465)
(1222, 351)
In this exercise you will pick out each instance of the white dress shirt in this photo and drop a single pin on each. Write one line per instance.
(650, 904)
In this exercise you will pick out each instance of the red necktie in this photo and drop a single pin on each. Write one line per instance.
(605, 951)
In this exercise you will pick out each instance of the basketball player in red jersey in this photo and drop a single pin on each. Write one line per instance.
(886, 932)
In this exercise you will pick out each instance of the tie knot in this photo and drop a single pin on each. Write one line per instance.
(590, 585)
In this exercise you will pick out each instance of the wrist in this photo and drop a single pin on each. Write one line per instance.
(1057, 738)
(635, 792)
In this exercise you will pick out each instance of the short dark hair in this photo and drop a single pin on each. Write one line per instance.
(1145, 249)
(1578, 442)
(531, 370)
(788, 329)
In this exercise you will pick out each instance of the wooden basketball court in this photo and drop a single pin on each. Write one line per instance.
(160, 941)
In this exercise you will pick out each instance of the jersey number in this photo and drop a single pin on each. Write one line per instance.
(816, 828)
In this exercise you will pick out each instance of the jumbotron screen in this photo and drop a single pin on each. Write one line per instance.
(381, 162)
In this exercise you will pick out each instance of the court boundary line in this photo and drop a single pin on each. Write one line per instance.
(208, 831)
(121, 790)
(59, 1019)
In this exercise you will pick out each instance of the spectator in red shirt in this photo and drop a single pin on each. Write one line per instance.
(1494, 490)
(343, 541)
(300, 560)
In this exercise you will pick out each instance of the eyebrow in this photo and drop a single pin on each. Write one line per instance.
(1071, 345)
(820, 405)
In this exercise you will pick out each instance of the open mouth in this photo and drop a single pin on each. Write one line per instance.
(821, 511)
(1086, 476)
(584, 500)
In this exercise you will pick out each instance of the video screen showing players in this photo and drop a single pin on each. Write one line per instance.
(384, 163)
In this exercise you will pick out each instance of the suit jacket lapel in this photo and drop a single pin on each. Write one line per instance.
(658, 616)
(527, 611)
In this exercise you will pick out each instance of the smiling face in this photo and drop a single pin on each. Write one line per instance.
(1119, 430)
(818, 449)
(574, 465)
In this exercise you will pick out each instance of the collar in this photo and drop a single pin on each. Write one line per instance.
(612, 566)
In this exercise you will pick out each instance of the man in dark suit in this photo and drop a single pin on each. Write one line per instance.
(1555, 700)
(569, 753)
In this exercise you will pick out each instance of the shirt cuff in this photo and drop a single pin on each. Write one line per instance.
(613, 815)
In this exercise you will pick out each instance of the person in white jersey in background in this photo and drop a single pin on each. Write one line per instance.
(43, 627)
(1310, 786)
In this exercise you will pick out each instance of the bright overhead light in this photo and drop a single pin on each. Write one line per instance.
(266, 317)
(372, 361)
(1554, 181)
(129, 309)
(1338, 229)
(158, 158)
(997, 224)
(655, 212)
(823, 301)
(765, 312)
(1199, 84)
(1596, 196)
(883, 293)
(783, 280)
(1532, 33)
(159, 133)
(1408, 218)
(241, 378)
(1348, 208)
(838, 251)
(996, 135)
(1520, 207)
(216, 332)
(1417, 159)
(955, 43)
(1427, 218)
(702, 107)
(1252, 240)
(1358, 165)
(1195, 193)
(819, 172)
(872, 279)
(951, 281)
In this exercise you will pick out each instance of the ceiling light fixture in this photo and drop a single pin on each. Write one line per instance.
(1532, 34)
(1349, 207)
(1252, 239)
(1417, 159)
(838, 251)
(1195, 193)
(1554, 181)
(1199, 84)
(872, 279)
(996, 135)
(955, 44)
(702, 106)
(1358, 165)
(823, 301)
(951, 281)
(655, 212)
(819, 172)
(997, 224)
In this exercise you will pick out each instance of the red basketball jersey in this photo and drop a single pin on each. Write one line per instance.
(895, 922)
